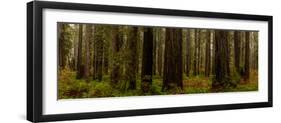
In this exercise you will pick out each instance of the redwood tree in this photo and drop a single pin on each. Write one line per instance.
(195, 59)
(131, 71)
(147, 60)
(160, 52)
(208, 54)
(99, 44)
(116, 48)
(80, 67)
(88, 39)
(221, 78)
(172, 77)
(237, 44)
(188, 52)
(247, 56)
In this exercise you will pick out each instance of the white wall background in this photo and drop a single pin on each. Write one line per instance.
(13, 61)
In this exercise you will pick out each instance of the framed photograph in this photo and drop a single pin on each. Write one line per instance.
(89, 61)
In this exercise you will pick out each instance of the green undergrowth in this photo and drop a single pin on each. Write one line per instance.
(70, 88)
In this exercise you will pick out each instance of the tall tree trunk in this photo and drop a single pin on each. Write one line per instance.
(62, 34)
(199, 52)
(256, 48)
(247, 56)
(208, 54)
(60, 30)
(141, 38)
(88, 39)
(139, 51)
(160, 52)
(228, 53)
(237, 43)
(188, 52)
(154, 50)
(75, 46)
(195, 60)
(116, 47)
(132, 65)
(213, 52)
(173, 60)
(106, 50)
(243, 51)
(80, 67)
(221, 79)
(99, 52)
(147, 60)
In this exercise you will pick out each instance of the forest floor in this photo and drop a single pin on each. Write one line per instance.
(70, 88)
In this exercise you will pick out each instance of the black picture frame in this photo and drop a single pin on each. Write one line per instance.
(34, 60)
